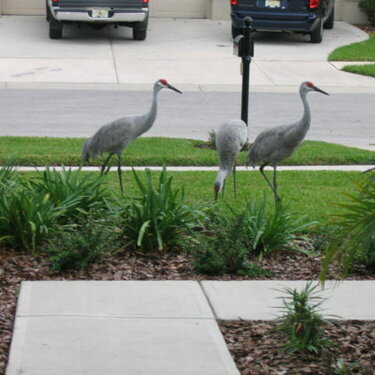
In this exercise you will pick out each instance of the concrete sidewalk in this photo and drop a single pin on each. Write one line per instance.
(151, 327)
(196, 54)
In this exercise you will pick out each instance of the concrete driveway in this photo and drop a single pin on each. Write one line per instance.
(195, 54)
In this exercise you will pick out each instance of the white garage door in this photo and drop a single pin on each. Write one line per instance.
(179, 8)
(158, 8)
(23, 6)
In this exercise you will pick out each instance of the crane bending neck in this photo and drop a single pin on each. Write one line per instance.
(220, 178)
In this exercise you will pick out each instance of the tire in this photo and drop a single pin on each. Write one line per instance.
(235, 32)
(330, 21)
(139, 34)
(317, 35)
(55, 29)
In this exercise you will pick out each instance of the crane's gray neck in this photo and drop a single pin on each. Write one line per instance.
(220, 178)
(144, 122)
(306, 118)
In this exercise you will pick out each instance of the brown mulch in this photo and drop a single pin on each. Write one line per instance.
(369, 29)
(256, 348)
(14, 268)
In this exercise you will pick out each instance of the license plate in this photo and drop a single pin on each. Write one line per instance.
(99, 13)
(273, 3)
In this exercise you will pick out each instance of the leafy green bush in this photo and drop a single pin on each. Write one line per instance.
(159, 220)
(354, 234)
(269, 232)
(79, 193)
(8, 178)
(80, 246)
(368, 7)
(301, 323)
(25, 218)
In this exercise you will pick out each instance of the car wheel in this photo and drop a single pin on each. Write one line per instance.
(139, 34)
(235, 32)
(55, 29)
(317, 35)
(328, 24)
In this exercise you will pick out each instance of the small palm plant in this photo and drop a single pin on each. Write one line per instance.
(354, 230)
(302, 323)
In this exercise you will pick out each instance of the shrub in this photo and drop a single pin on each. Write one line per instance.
(77, 192)
(78, 247)
(368, 7)
(223, 250)
(25, 218)
(159, 220)
(354, 234)
(8, 178)
(301, 323)
(265, 233)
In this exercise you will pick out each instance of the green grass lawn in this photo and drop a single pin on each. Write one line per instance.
(361, 51)
(158, 151)
(308, 193)
(367, 69)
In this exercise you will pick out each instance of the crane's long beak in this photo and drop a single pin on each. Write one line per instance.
(216, 195)
(319, 90)
(173, 88)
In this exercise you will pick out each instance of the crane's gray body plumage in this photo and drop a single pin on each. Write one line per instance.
(273, 145)
(117, 135)
(230, 138)
(278, 143)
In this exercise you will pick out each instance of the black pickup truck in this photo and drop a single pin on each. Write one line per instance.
(98, 13)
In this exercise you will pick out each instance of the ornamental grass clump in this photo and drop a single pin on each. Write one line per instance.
(26, 218)
(301, 323)
(353, 239)
(159, 220)
(78, 192)
(267, 232)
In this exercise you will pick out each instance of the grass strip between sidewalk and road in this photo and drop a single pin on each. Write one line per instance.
(39, 151)
(366, 69)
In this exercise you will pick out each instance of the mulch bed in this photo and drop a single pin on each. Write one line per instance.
(256, 348)
(14, 268)
(369, 29)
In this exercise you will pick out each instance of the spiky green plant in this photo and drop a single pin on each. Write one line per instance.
(268, 232)
(160, 219)
(301, 322)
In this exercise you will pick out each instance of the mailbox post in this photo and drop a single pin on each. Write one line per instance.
(243, 46)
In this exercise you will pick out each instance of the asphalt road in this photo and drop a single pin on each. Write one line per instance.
(340, 118)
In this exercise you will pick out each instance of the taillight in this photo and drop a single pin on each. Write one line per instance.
(145, 1)
(55, 2)
(233, 2)
(314, 3)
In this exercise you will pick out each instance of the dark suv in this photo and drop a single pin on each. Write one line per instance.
(301, 16)
(98, 13)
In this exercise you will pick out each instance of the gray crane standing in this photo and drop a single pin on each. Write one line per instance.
(273, 145)
(117, 135)
(230, 138)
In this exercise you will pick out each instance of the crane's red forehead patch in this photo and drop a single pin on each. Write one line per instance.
(163, 81)
(309, 84)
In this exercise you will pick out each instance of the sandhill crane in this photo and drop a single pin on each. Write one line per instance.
(117, 135)
(276, 144)
(230, 138)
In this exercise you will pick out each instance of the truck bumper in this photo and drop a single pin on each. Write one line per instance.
(85, 15)
(286, 22)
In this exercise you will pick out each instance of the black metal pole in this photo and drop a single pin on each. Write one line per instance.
(246, 60)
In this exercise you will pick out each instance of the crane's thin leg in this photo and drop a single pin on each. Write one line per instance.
(234, 181)
(277, 198)
(102, 169)
(265, 177)
(119, 173)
